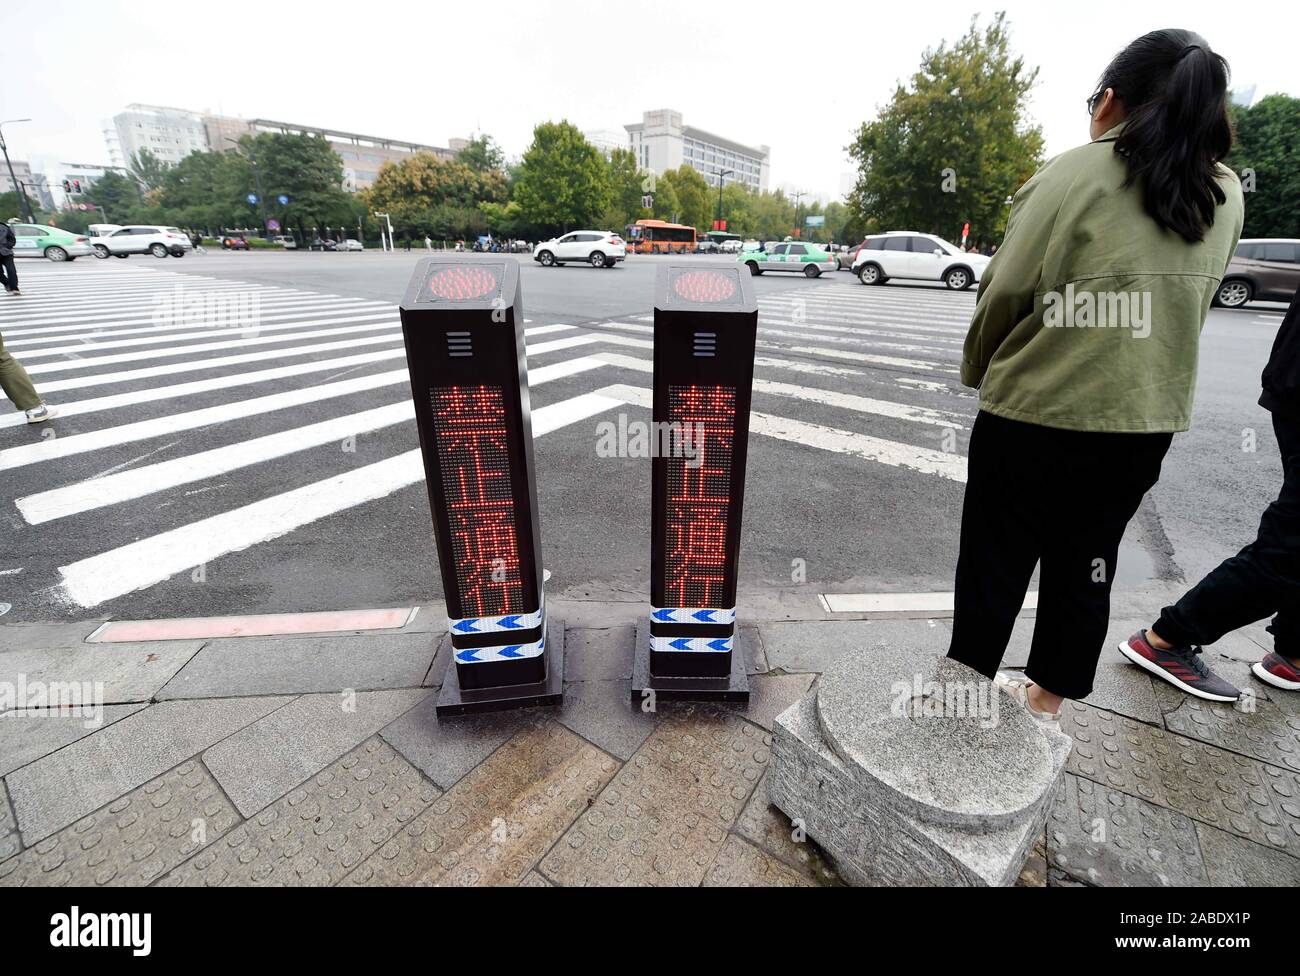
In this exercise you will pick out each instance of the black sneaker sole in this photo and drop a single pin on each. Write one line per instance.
(1164, 675)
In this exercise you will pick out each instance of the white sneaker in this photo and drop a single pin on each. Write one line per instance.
(1017, 686)
(41, 413)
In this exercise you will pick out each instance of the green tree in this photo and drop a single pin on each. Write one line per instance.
(562, 181)
(12, 206)
(482, 155)
(627, 186)
(695, 201)
(443, 198)
(955, 143)
(118, 195)
(1264, 155)
(304, 168)
(147, 170)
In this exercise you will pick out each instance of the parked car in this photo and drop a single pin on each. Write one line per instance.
(323, 244)
(233, 242)
(51, 243)
(848, 255)
(351, 245)
(286, 242)
(730, 247)
(810, 259)
(1261, 270)
(599, 248)
(706, 246)
(921, 257)
(143, 239)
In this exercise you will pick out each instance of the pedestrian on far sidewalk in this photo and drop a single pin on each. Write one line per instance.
(1260, 581)
(1075, 419)
(8, 270)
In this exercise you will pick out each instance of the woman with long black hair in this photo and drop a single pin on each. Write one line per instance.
(1084, 349)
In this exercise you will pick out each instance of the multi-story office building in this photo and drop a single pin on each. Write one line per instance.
(607, 140)
(661, 142)
(171, 134)
(23, 174)
(84, 173)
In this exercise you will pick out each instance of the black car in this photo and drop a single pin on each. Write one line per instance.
(322, 244)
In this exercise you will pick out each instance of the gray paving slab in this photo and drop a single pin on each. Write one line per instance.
(128, 672)
(10, 843)
(772, 694)
(258, 666)
(266, 759)
(811, 645)
(493, 826)
(1236, 863)
(132, 841)
(742, 865)
(1107, 838)
(320, 830)
(63, 787)
(1265, 732)
(602, 713)
(45, 636)
(1222, 789)
(534, 880)
(446, 750)
(665, 816)
(28, 735)
(1123, 687)
(751, 639)
(764, 825)
(597, 654)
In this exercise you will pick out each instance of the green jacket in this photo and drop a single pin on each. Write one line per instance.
(1090, 315)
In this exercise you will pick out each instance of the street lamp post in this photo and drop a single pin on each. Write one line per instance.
(721, 174)
(797, 197)
(22, 196)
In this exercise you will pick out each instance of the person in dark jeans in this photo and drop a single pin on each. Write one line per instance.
(1260, 581)
(1077, 412)
(8, 271)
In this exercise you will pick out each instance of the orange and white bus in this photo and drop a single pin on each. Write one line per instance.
(660, 237)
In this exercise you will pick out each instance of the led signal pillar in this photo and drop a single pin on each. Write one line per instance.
(705, 326)
(462, 321)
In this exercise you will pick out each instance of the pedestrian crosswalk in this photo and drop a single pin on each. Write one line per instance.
(189, 433)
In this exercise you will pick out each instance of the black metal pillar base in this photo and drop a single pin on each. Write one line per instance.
(453, 700)
(732, 689)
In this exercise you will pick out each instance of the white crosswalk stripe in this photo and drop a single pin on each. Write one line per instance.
(160, 403)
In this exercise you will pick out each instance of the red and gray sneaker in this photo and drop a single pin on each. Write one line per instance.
(1277, 671)
(1182, 667)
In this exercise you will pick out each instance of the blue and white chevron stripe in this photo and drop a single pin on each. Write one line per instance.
(497, 625)
(704, 645)
(693, 615)
(508, 652)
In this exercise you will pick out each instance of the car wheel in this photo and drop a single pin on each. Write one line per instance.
(547, 259)
(158, 250)
(123, 256)
(811, 270)
(957, 278)
(179, 252)
(1233, 294)
(56, 254)
(869, 274)
(597, 259)
(753, 267)
(610, 262)
(101, 251)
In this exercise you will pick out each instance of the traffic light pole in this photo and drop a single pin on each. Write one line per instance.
(18, 187)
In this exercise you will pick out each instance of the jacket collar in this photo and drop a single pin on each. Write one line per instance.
(1111, 134)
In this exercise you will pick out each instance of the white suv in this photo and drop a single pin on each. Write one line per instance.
(599, 248)
(143, 239)
(924, 257)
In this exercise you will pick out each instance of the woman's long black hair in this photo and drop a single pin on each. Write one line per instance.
(1174, 91)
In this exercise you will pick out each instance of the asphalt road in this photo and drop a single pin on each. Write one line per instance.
(207, 468)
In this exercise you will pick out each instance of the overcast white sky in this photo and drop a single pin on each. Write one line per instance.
(784, 74)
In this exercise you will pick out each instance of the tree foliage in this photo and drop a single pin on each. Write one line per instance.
(953, 144)
(438, 197)
(563, 180)
(1265, 154)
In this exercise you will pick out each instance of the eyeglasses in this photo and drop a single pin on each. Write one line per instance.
(1093, 101)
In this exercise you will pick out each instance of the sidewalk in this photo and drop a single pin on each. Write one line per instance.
(317, 759)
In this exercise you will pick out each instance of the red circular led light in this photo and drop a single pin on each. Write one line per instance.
(705, 286)
(459, 284)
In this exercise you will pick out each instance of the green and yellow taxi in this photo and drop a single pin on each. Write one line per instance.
(800, 256)
(51, 243)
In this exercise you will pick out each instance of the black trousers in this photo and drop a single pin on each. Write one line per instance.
(8, 273)
(1261, 580)
(1061, 499)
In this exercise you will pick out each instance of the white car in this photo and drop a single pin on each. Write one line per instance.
(143, 239)
(351, 245)
(922, 257)
(599, 248)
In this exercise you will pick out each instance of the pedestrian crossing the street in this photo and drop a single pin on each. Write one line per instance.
(201, 418)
